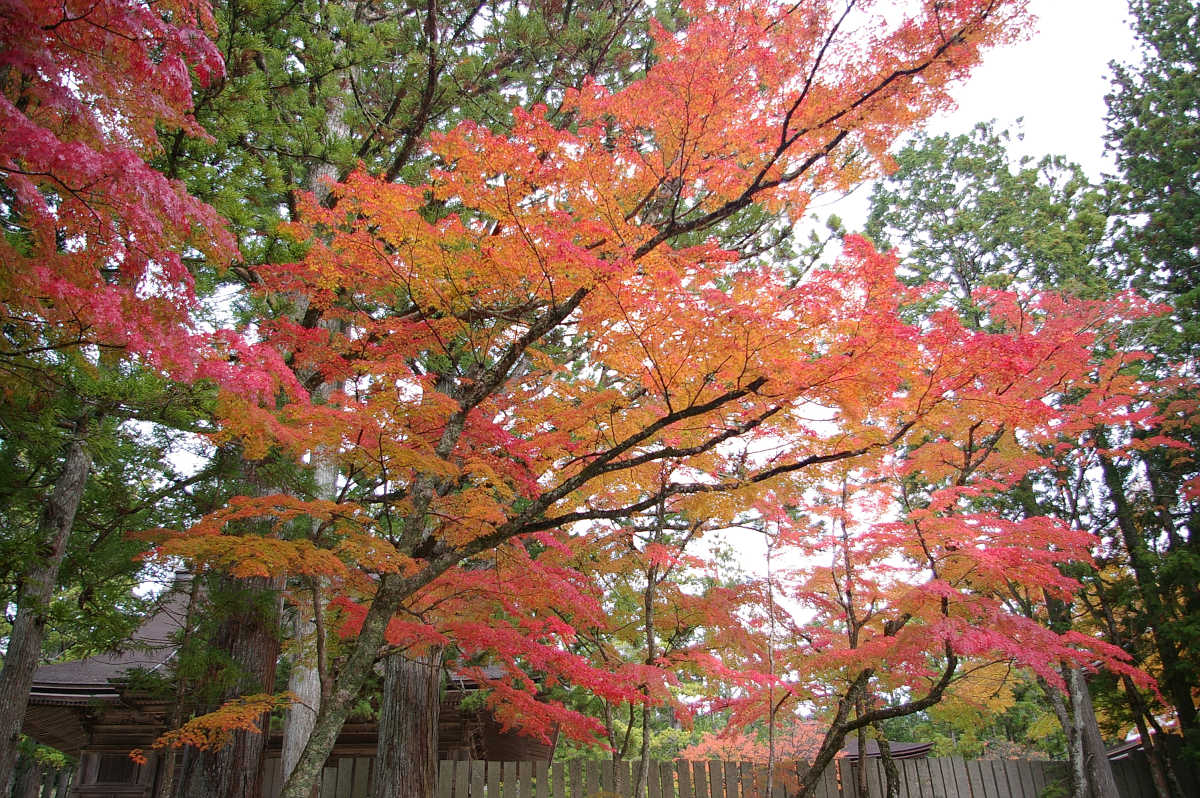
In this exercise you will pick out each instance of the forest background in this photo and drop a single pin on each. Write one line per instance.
(418, 383)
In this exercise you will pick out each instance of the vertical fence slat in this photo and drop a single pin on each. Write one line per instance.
(918, 779)
(910, 779)
(716, 780)
(942, 770)
(445, 776)
(962, 782)
(927, 776)
(1038, 771)
(345, 776)
(850, 780)
(592, 779)
(683, 777)
(950, 787)
(974, 771)
(492, 775)
(462, 773)
(731, 780)
(746, 779)
(608, 775)
(477, 778)
(700, 780)
(999, 779)
(1012, 776)
(541, 772)
(508, 777)
(561, 779)
(827, 785)
(328, 781)
(666, 777)
(558, 779)
(64, 781)
(525, 779)
(1004, 775)
(1025, 773)
(360, 785)
(624, 778)
(875, 778)
(652, 783)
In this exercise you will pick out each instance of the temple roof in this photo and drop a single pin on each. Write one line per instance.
(98, 677)
(899, 750)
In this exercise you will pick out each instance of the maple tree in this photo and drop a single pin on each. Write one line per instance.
(952, 208)
(519, 350)
(311, 89)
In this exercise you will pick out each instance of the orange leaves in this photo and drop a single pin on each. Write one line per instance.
(256, 537)
(215, 729)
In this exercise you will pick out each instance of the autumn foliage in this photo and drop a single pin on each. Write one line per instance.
(553, 333)
(100, 248)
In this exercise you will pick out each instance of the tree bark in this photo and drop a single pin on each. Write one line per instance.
(407, 753)
(1075, 758)
(352, 675)
(1178, 686)
(250, 636)
(891, 773)
(1096, 766)
(304, 682)
(37, 588)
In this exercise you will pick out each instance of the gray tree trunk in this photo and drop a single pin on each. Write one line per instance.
(1099, 773)
(33, 602)
(407, 754)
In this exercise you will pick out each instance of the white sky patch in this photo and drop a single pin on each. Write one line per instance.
(1054, 81)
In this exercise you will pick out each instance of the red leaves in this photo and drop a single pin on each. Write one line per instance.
(95, 253)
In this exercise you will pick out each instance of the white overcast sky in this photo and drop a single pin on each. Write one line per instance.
(1055, 80)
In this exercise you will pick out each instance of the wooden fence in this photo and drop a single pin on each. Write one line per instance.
(1132, 774)
(350, 777)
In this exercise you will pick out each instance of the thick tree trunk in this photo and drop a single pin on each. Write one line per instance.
(33, 602)
(407, 754)
(250, 636)
(1096, 766)
(304, 682)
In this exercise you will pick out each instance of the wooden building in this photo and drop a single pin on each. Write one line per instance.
(90, 709)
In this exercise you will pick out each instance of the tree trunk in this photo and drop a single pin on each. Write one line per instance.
(889, 765)
(1075, 758)
(352, 675)
(305, 680)
(1096, 766)
(33, 602)
(861, 773)
(249, 634)
(407, 754)
(1175, 680)
(304, 683)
